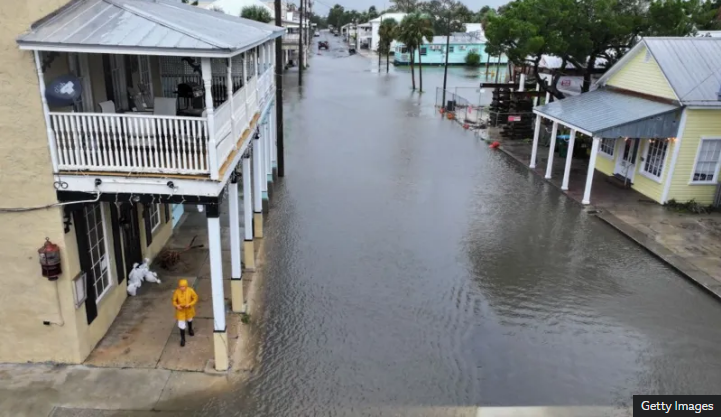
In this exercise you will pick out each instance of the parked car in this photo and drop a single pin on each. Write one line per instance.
(322, 45)
(316, 33)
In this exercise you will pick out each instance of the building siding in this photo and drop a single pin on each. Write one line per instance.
(642, 76)
(642, 183)
(27, 181)
(699, 123)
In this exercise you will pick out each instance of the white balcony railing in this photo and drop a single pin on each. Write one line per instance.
(144, 143)
(130, 143)
(291, 38)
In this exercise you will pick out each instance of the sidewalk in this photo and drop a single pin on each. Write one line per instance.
(139, 368)
(687, 242)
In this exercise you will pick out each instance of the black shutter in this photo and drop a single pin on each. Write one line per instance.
(167, 213)
(148, 225)
(81, 233)
(114, 221)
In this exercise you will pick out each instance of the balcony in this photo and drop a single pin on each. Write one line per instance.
(172, 138)
(291, 39)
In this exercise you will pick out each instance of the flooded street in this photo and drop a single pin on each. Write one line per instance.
(412, 270)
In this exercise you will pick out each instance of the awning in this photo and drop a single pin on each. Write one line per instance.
(609, 114)
(159, 27)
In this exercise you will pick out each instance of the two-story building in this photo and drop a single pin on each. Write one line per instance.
(114, 111)
(654, 120)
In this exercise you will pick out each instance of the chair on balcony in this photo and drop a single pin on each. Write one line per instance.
(107, 107)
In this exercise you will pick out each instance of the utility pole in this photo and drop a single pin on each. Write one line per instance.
(445, 67)
(300, 45)
(379, 43)
(279, 92)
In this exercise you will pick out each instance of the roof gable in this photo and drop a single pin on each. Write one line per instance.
(690, 65)
(148, 25)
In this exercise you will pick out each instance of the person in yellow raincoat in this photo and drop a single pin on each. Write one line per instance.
(184, 300)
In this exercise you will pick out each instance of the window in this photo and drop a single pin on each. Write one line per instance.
(462, 47)
(607, 146)
(424, 51)
(450, 48)
(155, 217)
(654, 158)
(120, 84)
(95, 218)
(706, 168)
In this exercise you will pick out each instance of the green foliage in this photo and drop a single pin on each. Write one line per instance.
(404, 6)
(386, 34)
(473, 58)
(411, 32)
(257, 13)
(690, 206)
(447, 15)
(582, 31)
(245, 318)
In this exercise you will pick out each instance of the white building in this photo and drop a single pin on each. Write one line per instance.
(375, 25)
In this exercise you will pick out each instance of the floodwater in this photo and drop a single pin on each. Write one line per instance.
(413, 270)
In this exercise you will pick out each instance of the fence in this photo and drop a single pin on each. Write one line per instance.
(469, 113)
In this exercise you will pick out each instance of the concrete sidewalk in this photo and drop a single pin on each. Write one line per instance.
(690, 243)
(139, 368)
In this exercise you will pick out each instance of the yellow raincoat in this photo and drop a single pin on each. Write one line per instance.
(183, 298)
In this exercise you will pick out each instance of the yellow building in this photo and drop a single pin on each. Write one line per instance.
(655, 120)
(98, 146)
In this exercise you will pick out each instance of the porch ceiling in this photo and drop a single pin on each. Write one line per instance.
(160, 27)
(608, 114)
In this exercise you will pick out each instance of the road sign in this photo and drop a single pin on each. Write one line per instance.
(514, 118)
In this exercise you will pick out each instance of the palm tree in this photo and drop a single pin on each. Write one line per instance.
(412, 31)
(387, 33)
(257, 13)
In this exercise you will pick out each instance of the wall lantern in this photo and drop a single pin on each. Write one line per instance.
(49, 255)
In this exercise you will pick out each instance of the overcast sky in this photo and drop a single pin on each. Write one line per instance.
(322, 8)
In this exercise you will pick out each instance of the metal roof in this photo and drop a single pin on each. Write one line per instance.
(145, 26)
(691, 65)
(610, 114)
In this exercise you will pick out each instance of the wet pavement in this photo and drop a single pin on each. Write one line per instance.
(413, 270)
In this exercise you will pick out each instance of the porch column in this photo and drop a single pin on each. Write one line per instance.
(269, 147)
(591, 170)
(248, 248)
(548, 98)
(261, 58)
(522, 82)
(220, 334)
(257, 178)
(46, 113)
(551, 150)
(273, 139)
(255, 54)
(569, 156)
(534, 148)
(229, 88)
(208, 84)
(535, 98)
(236, 274)
(262, 158)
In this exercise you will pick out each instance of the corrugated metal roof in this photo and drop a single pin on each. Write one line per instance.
(692, 66)
(611, 114)
(152, 25)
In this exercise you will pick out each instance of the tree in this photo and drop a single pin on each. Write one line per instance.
(404, 6)
(581, 32)
(411, 32)
(473, 58)
(372, 13)
(447, 16)
(386, 34)
(257, 13)
(335, 16)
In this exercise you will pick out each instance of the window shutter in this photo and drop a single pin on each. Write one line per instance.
(167, 213)
(148, 225)
(118, 248)
(81, 234)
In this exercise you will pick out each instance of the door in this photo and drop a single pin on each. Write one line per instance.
(626, 162)
(130, 227)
